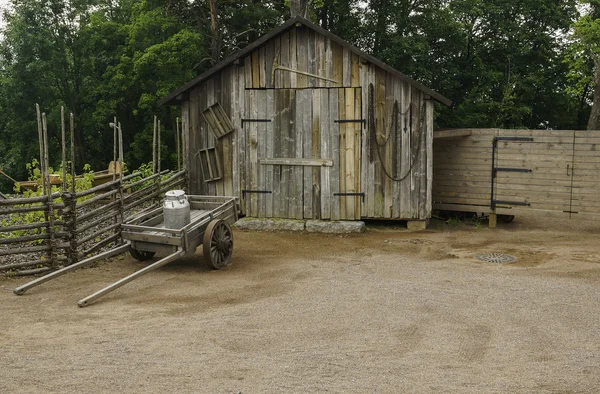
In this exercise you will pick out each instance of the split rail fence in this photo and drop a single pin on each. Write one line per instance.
(76, 225)
(513, 172)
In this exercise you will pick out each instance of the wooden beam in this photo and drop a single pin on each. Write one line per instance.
(292, 161)
(452, 133)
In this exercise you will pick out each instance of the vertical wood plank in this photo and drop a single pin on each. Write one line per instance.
(287, 123)
(295, 148)
(328, 62)
(208, 99)
(423, 157)
(193, 143)
(338, 62)
(255, 70)
(269, 152)
(226, 142)
(380, 120)
(429, 154)
(342, 145)
(276, 75)
(247, 159)
(416, 144)
(253, 148)
(312, 57)
(217, 143)
(389, 132)
(321, 59)
(241, 136)
(405, 158)
(262, 141)
(269, 59)
(397, 150)
(307, 147)
(347, 67)
(372, 160)
(293, 57)
(277, 151)
(248, 72)
(302, 48)
(185, 130)
(284, 57)
(235, 119)
(297, 140)
(350, 157)
(326, 129)
(334, 148)
(262, 67)
(357, 152)
(365, 181)
(316, 152)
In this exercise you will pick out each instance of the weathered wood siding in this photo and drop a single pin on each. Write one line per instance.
(303, 110)
(564, 179)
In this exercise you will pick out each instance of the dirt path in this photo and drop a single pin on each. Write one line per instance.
(386, 311)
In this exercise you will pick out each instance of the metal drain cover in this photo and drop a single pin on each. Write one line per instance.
(496, 258)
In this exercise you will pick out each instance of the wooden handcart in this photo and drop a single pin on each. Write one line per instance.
(145, 236)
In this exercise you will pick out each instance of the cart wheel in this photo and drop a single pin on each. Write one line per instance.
(218, 243)
(506, 218)
(141, 255)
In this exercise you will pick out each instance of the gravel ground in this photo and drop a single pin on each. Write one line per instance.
(384, 311)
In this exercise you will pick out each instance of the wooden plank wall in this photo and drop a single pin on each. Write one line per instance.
(564, 177)
(305, 50)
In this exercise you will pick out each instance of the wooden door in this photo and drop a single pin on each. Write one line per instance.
(533, 173)
(350, 122)
(303, 153)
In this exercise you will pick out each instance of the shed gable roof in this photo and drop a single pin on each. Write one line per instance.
(173, 96)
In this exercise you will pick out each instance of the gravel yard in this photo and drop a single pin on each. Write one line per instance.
(385, 311)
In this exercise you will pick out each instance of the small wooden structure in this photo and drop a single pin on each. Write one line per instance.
(300, 124)
(515, 172)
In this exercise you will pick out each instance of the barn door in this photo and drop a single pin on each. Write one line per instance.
(533, 172)
(303, 152)
(349, 122)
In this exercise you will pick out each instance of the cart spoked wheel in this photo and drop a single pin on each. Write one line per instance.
(141, 255)
(218, 243)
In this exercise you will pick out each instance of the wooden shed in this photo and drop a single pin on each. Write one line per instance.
(301, 124)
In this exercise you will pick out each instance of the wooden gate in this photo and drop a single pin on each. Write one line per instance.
(513, 172)
(303, 157)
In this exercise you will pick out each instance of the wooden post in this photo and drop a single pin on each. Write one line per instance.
(72, 129)
(50, 206)
(121, 202)
(115, 149)
(154, 147)
(493, 220)
(64, 153)
(70, 200)
(158, 164)
(41, 143)
(177, 141)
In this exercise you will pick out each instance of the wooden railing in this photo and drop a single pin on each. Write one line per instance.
(73, 228)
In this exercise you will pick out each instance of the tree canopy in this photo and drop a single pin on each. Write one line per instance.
(528, 64)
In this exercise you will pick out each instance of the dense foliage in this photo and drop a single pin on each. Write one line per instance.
(504, 63)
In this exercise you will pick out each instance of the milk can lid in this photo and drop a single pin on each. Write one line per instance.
(175, 193)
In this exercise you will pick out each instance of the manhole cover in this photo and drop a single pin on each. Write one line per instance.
(496, 258)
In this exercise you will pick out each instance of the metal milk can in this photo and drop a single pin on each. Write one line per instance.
(176, 209)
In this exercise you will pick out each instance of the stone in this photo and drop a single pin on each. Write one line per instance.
(416, 225)
(256, 224)
(334, 227)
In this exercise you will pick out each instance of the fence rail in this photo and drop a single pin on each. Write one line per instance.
(70, 230)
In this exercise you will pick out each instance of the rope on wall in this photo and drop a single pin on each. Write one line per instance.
(377, 140)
